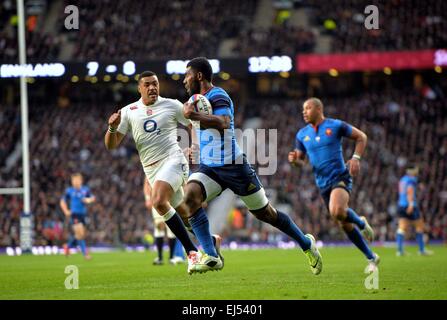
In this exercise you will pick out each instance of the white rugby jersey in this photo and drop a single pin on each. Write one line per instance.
(154, 127)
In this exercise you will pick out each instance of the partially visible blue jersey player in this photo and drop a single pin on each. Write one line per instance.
(408, 211)
(222, 166)
(321, 142)
(73, 204)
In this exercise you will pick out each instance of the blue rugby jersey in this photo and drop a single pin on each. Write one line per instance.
(218, 149)
(404, 183)
(74, 197)
(322, 144)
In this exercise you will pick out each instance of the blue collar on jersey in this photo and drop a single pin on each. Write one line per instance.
(318, 125)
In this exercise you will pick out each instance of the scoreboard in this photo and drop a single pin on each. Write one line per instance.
(236, 66)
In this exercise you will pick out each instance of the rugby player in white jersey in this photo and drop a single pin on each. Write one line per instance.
(152, 120)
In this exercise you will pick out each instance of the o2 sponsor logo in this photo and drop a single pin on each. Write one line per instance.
(151, 126)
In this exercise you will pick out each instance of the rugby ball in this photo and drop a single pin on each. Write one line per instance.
(203, 105)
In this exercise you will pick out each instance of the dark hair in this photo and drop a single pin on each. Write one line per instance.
(201, 64)
(146, 74)
(411, 166)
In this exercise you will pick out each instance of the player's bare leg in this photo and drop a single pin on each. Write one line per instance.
(283, 222)
(349, 221)
(80, 234)
(161, 194)
(339, 210)
(403, 226)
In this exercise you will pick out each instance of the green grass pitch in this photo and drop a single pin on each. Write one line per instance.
(252, 274)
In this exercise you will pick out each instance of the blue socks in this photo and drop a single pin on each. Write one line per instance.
(400, 237)
(201, 227)
(286, 225)
(353, 217)
(356, 237)
(83, 247)
(72, 242)
(420, 241)
(178, 251)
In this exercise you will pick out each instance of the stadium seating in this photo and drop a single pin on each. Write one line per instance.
(276, 40)
(154, 29)
(403, 25)
(143, 30)
(402, 126)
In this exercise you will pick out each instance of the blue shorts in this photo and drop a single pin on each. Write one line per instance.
(343, 181)
(239, 178)
(402, 213)
(77, 218)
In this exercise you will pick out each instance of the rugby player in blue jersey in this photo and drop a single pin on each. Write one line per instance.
(321, 141)
(73, 204)
(222, 166)
(408, 211)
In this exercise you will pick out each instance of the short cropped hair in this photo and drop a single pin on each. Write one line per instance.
(146, 74)
(201, 64)
(315, 101)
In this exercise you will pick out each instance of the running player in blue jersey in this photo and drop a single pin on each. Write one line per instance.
(222, 166)
(73, 204)
(321, 140)
(408, 211)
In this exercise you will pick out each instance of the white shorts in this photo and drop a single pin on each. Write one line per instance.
(173, 170)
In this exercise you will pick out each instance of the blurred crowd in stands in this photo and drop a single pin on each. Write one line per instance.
(142, 30)
(403, 25)
(156, 29)
(403, 125)
(277, 40)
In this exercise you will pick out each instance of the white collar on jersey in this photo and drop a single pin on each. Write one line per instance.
(140, 102)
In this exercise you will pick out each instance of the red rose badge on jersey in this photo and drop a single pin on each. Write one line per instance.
(149, 112)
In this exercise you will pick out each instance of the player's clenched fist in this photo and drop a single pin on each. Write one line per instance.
(354, 167)
(115, 119)
(293, 156)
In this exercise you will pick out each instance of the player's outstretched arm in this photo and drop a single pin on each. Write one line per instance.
(113, 138)
(360, 146)
(206, 121)
(297, 158)
(64, 208)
